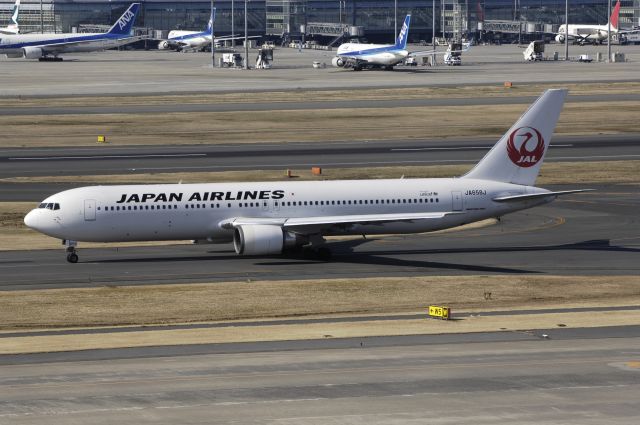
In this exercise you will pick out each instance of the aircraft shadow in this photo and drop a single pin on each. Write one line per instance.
(344, 253)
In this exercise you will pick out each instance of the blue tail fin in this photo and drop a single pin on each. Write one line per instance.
(124, 25)
(212, 19)
(401, 41)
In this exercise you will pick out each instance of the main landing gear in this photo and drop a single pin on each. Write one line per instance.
(72, 255)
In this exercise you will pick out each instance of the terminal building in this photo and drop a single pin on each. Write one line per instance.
(331, 19)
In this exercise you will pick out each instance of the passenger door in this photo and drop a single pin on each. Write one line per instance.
(89, 209)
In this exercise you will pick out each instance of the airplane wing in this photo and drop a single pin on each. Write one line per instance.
(315, 224)
(432, 52)
(60, 47)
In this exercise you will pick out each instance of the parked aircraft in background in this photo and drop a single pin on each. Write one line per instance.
(592, 33)
(366, 56)
(13, 27)
(193, 40)
(266, 218)
(50, 46)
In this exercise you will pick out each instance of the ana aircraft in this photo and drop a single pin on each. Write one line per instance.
(50, 46)
(13, 27)
(367, 56)
(592, 33)
(266, 218)
(193, 40)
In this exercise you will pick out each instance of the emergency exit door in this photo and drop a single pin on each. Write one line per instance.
(456, 201)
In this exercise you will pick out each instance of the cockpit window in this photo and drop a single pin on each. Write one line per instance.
(43, 205)
(50, 206)
(56, 206)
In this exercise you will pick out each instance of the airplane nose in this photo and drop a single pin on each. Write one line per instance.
(30, 219)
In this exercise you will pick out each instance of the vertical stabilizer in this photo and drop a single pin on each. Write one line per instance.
(16, 12)
(401, 41)
(212, 19)
(124, 25)
(518, 155)
(615, 14)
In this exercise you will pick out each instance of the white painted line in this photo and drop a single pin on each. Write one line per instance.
(462, 148)
(54, 158)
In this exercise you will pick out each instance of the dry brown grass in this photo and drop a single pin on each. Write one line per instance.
(140, 305)
(323, 125)
(332, 95)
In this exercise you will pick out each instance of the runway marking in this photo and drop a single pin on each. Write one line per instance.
(56, 158)
(463, 148)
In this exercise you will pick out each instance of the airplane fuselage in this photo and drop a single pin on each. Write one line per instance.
(374, 54)
(196, 211)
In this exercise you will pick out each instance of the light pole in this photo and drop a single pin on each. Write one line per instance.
(213, 50)
(566, 30)
(433, 24)
(395, 18)
(41, 18)
(246, 39)
(233, 26)
(609, 31)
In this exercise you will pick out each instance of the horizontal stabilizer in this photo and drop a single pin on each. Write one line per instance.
(527, 197)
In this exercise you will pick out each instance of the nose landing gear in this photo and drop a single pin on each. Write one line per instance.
(72, 255)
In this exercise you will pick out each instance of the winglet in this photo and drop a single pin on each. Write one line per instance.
(401, 41)
(124, 25)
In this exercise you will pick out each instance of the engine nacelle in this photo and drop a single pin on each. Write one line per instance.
(337, 62)
(32, 52)
(264, 239)
(560, 38)
(164, 45)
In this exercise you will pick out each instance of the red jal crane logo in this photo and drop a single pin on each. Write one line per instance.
(519, 145)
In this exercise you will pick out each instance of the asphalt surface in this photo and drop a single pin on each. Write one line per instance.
(159, 72)
(594, 233)
(155, 159)
(573, 376)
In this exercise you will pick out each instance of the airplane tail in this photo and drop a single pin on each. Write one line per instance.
(124, 25)
(401, 41)
(212, 19)
(615, 14)
(518, 155)
(16, 12)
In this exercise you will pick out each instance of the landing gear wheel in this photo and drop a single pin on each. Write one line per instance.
(324, 254)
(72, 257)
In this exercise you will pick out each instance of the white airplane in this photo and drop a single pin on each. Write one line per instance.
(50, 46)
(266, 218)
(592, 33)
(13, 27)
(193, 40)
(367, 56)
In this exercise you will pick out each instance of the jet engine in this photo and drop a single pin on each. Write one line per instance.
(264, 239)
(32, 52)
(164, 45)
(560, 38)
(337, 62)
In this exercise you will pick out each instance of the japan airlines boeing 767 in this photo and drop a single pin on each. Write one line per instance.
(266, 218)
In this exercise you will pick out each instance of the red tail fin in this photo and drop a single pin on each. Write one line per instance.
(614, 15)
